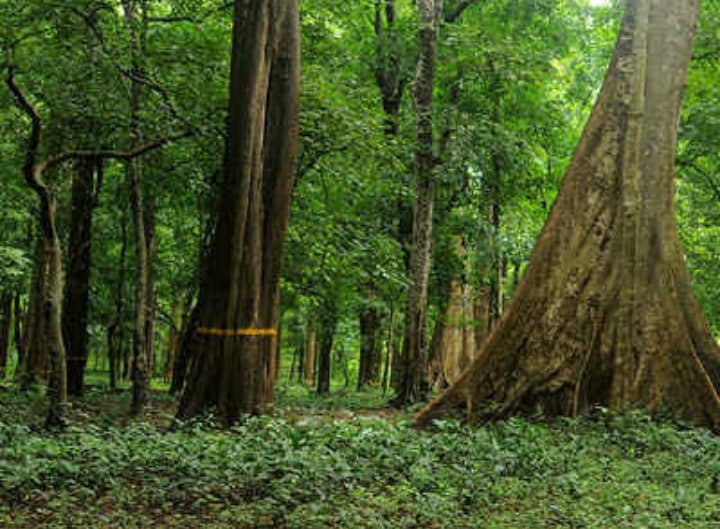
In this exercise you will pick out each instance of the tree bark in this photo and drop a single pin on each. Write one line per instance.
(35, 362)
(5, 326)
(232, 350)
(310, 354)
(136, 22)
(77, 288)
(327, 336)
(370, 351)
(453, 343)
(605, 314)
(413, 387)
(18, 323)
(151, 309)
(115, 331)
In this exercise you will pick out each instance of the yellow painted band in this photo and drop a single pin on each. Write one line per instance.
(236, 332)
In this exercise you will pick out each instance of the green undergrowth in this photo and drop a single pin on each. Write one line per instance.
(356, 471)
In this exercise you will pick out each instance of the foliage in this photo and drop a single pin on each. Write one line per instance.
(360, 471)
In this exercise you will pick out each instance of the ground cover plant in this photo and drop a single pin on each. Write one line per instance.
(307, 467)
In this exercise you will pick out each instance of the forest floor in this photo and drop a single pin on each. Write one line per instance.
(348, 461)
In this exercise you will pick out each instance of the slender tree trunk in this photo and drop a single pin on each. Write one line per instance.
(77, 289)
(135, 19)
(238, 306)
(327, 336)
(388, 351)
(18, 322)
(35, 360)
(414, 387)
(299, 374)
(310, 353)
(52, 319)
(173, 338)
(605, 314)
(5, 327)
(115, 331)
(150, 312)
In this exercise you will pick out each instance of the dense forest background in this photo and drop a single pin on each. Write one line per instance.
(515, 83)
(228, 312)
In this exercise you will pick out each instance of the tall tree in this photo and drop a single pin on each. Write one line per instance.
(232, 349)
(77, 288)
(413, 386)
(605, 314)
(5, 321)
(50, 255)
(136, 19)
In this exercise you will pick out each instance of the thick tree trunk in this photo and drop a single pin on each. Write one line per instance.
(453, 344)
(414, 387)
(605, 313)
(77, 288)
(233, 348)
(310, 354)
(5, 327)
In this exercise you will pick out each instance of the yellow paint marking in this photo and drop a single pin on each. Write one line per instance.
(236, 332)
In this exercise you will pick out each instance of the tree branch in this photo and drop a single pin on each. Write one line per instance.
(109, 154)
(452, 16)
(31, 177)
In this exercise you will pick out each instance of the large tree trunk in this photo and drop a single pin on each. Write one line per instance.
(605, 313)
(413, 387)
(77, 288)
(233, 346)
(453, 343)
(5, 325)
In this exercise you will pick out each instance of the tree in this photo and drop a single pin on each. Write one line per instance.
(77, 288)
(232, 350)
(413, 385)
(605, 314)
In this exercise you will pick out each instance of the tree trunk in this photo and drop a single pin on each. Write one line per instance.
(453, 344)
(18, 323)
(35, 360)
(5, 325)
(77, 288)
(173, 337)
(370, 351)
(605, 314)
(310, 354)
(115, 331)
(150, 312)
(233, 348)
(327, 336)
(134, 17)
(414, 387)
